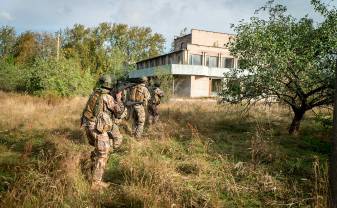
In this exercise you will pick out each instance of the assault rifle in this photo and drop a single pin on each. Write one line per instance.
(124, 84)
(132, 103)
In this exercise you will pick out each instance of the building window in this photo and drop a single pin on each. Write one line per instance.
(195, 59)
(212, 61)
(228, 63)
(216, 85)
(157, 62)
(153, 63)
(179, 59)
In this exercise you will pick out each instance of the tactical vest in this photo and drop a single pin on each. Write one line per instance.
(137, 94)
(90, 110)
(155, 97)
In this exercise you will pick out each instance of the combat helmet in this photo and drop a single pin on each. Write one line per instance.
(156, 83)
(107, 81)
(143, 79)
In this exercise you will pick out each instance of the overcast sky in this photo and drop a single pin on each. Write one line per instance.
(167, 17)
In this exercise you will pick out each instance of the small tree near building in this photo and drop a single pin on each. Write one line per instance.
(284, 58)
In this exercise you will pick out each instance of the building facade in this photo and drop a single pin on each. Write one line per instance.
(197, 63)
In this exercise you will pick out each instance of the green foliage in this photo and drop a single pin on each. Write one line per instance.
(11, 76)
(66, 63)
(325, 121)
(7, 41)
(166, 85)
(284, 58)
(110, 47)
(62, 78)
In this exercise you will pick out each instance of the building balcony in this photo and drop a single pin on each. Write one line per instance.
(180, 69)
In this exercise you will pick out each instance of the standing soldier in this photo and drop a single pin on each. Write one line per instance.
(98, 119)
(156, 95)
(139, 93)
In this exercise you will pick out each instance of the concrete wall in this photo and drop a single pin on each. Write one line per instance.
(208, 38)
(180, 69)
(200, 86)
(199, 42)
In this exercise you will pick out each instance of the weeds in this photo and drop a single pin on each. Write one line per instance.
(199, 155)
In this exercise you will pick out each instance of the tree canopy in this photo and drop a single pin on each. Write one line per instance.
(283, 58)
(29, 60)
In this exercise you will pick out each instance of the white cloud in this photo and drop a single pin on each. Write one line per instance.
(167, 17)
(5, 16)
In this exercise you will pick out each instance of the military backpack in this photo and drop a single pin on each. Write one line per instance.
(137, 94)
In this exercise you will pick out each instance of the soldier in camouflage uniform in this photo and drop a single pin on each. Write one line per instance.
(156, 95)
(139, 93)
(98, 119)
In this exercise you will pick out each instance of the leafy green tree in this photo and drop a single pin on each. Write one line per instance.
(330, 29)
(283, 58)
(61, 78)
(7, 41)
(75, 45)
(96, 46)
(11, 76)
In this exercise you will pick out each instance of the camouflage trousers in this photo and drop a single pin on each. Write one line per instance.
(100, 156)
(138, 116)
(153, 113)
(103, 143)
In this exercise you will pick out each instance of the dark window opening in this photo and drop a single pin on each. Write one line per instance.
(228, 62)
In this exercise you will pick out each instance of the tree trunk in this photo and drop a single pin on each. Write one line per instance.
(333, 156)
(295, 124)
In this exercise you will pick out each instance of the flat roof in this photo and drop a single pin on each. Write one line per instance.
(203, 31)
(213, 31)
(155, 57)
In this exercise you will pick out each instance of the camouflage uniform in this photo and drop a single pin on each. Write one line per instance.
(99, 122)
(156, 95)
(139, 93)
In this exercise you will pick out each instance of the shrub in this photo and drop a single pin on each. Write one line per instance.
(61, 78)
(11, 76)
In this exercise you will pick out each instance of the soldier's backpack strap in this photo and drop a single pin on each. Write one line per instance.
(133, 93)
(88, 111)
(98, 105)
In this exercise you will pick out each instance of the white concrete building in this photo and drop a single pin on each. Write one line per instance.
(198, 63)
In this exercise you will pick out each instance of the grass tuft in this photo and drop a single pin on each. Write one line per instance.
(200, 155)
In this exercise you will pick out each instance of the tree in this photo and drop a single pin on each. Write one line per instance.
(26, 48)
(7, 41)
(283, 58)
(330, 28)
(97, 47)
(333, 156)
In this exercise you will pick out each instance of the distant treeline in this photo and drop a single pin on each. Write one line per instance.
(69, 61)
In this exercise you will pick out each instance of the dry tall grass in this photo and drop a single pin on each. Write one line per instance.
(200, 155)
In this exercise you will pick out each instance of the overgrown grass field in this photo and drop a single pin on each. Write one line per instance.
(201, 154)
